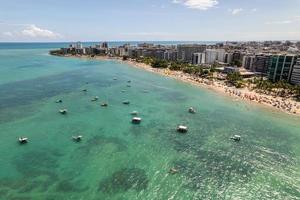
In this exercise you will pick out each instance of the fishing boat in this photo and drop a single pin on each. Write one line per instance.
(59, 101)
(192, 110)
(104, 104)
(182, 129)
(63, 111)
(236, 138)
(136, 120)
(95, 98)
(134, 113)
(77, 138)
(126, 102)
(23, 140)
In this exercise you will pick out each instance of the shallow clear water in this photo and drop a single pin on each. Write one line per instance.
(118, 160)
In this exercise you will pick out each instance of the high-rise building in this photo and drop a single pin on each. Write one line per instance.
(211, 56)
(248, 62)
(261, 64)
(281, 67)
(228, 58)
(198, 58)
(295, 78)
(170, 55)
(185, 52)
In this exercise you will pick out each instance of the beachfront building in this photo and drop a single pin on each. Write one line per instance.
(228, 58)
(295, 78)
(170, 55)
(186, 51)
(198, 58)
(256, 63)
(213, 55)
(281, 67)
(248, 61)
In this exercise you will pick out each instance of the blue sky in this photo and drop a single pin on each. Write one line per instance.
(190, 20)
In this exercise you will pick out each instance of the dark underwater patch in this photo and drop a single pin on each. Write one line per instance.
(124, 180)
(66, 186)
(101, 141)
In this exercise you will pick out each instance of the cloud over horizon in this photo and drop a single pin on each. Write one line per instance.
(197, 4)
(28, 31)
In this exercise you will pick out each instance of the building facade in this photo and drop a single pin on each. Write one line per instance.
(198, 58)
(295, 78)
(185, 52)
(281, 67)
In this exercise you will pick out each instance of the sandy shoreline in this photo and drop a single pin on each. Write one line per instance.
(289, 105)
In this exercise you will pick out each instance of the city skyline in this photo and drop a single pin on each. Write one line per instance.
(166, 20)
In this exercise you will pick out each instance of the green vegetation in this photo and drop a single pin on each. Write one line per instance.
(159, 63)
(280, 88)
(235, 79)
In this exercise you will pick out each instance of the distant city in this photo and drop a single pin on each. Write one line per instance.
(275, 60)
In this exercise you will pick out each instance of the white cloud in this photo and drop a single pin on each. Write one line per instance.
(33, 31)
(280, 22)
(26, 32)
(254, 10)
(197, 4)
(7, 34)
(235, 11)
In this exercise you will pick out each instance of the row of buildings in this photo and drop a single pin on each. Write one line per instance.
(271, 61)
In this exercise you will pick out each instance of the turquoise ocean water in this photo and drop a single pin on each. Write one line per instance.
(121, 161)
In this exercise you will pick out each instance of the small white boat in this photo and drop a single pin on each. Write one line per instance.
(182, 129)
(59, 101)
(63, 111)
(77, 138)
(23, 140)
(192, 110)
(134, 113)
(95, 98)
(236, 138)
(126, 102)
(104, 104)
(136, 120)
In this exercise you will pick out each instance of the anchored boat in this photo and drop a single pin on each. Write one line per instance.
(23, 140)
(95, 98)
(192, 110)
(136, 120)
(77, 138)
(63, 111)
(236, 138)
(126, 102)
(182, 129)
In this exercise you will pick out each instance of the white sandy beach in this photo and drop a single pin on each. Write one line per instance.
(287, 105)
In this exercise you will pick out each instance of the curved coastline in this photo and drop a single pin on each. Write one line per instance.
(289, 106)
